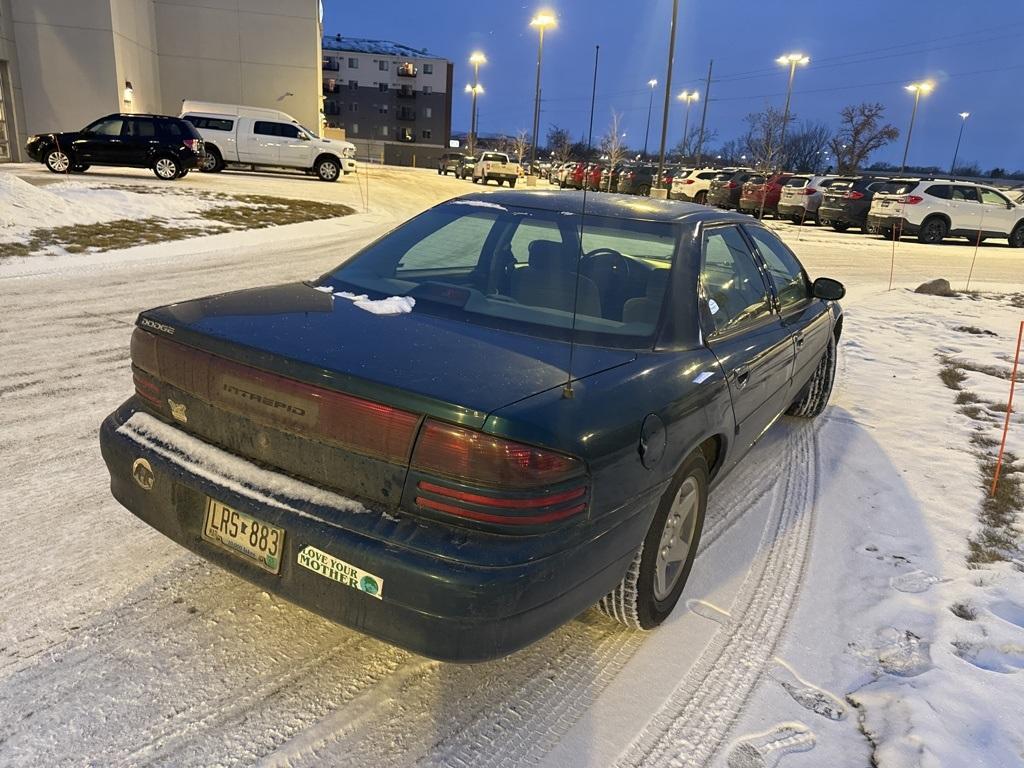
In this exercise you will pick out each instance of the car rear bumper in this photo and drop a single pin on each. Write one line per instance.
(793, 209)
(448, 593)
(883, 224)
(842, 215)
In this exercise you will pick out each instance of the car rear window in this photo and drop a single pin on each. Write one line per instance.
(896, 187)
(494, 157)
(755, 180)
(797, 181)
(211, 123)
(522, 269)
(842, 185)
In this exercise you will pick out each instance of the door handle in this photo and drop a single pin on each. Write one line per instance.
(742, 377)
(799, 339)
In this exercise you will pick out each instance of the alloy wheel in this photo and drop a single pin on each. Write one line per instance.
(166, 168)
(58, 162)
(676, 538)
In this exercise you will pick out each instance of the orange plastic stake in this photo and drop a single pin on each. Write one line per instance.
(1009, 410)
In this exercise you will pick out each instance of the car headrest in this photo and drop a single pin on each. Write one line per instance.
(549, 256)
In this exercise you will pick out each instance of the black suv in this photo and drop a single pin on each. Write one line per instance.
(847, 201)
(170, 146)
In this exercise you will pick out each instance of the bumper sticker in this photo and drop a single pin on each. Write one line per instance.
(337, 570)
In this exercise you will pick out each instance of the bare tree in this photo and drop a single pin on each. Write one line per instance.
(761, 142)
(686, 149)
(612, 145)
(804, 147)
(860, 133)
(559, 143)
(521, 145)
(731, 152)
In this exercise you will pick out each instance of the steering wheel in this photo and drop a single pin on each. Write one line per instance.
(605, 265)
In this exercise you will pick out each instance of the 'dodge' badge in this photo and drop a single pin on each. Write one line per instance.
(143, 474)
(178, 411)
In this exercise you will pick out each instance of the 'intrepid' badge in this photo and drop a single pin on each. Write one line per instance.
(178, 411)
(337, 570)
(143, 474)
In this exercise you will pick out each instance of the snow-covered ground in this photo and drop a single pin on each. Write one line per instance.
(832, 618)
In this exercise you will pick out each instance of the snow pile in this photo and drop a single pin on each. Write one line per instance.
(24, 206)
(392, 305)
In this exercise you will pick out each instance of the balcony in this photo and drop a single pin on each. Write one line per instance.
(405, 134)
(406, 92)
(406, 114)
(406, 70)
(331, 65)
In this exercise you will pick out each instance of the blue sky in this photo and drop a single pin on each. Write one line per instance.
(864, 52)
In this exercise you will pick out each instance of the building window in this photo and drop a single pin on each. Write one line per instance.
(428, 112)
(353, 63)
(382, 87)
(426, 133)
(382, 65)
(355, 128)
(353, 85)
(428, 69)
(382, 109)
(426, 89)
(353, 106)
(383, 130)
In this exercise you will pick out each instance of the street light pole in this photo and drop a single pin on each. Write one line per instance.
(476, 59)
(668, 90)
(792, 59)
(650, 103)
(689, 97)
(963, 121)
(542, 21)
(918, 89)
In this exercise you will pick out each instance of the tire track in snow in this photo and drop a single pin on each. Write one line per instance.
(694, 722)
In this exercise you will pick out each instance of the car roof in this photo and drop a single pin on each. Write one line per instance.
(606, 204)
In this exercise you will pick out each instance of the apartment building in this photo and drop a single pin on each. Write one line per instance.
(393, 102)
(65, 62)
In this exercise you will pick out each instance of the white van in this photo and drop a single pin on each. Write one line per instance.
(257, 137)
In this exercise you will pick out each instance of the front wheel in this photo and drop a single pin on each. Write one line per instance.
(57, 161)
(328, 170)
(1016, 238)
(655, 579)
(166, 168)
(814, 398)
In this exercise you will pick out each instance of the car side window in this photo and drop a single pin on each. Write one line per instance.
(735, 290)
(968, 194)
(288, 131)
(941, 191)
(110, 127)
(140, 127)
(791, 284)
(991, 197)
(264, 128)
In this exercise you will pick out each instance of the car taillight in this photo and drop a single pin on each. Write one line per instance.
(489, 479)
(194, 144)
(731, 185)
(808, 191)
(854, 195)
(689, 181)
(911, 199)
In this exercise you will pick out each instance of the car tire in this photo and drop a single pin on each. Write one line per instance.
(166, 168)
(796, 219)
(1016, 238)
(648, 592)
(327, 169)
(933, 231)
(701, 198)
(501, 182)
(512, 183)
(644, 191)
(814, 398)
(57, 161)
(840, 226)
(212, 162)
(183, 173)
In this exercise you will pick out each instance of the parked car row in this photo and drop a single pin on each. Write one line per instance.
(207, 136)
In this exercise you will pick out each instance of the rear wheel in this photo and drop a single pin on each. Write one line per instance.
(644, 191)
(701, 197)
(211, 161)
(840, 226)
(166, 168)
(932, 231)
(814, 398)
(1016, 238)
(656, 577)
(57, 161)
(512, 183)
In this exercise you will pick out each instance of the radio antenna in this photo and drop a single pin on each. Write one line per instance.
(567, 391)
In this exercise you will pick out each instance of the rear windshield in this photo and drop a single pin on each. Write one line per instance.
(494, 157)
(797, 181)
(516, 268)
(755, 180)
(896, 187)
(842, 185)
(724, 176)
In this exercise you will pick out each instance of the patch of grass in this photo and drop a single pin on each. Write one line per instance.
(260, 211)
(111, 235)
(952, 376)
(973, 329)
(14, 249)
(998, 538)
(964, 397)
(963, 611)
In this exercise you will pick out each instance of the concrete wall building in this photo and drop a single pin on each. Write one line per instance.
(393, 102)
(64, 63)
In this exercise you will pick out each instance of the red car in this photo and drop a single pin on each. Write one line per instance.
(759, 195)
(593, 172)
(574, 177)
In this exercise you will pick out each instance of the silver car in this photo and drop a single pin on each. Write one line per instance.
(801, 197)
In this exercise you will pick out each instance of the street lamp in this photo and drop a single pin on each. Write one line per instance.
(543, 20)
(790, 60)
(917, 89)
(650, 103)
(963, 122)
(689, 97)
(476, 59)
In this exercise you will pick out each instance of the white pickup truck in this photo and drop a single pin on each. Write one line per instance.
(497, 166)
(255, 137)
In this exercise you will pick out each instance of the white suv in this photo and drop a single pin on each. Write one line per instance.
(692, 186)
(934, 209)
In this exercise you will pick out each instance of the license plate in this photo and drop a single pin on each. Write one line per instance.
(251, 539)
(886, 203)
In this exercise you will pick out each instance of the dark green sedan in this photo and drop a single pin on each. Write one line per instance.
(502, 412)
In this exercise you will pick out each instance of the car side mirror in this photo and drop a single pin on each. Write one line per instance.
(828, 289)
